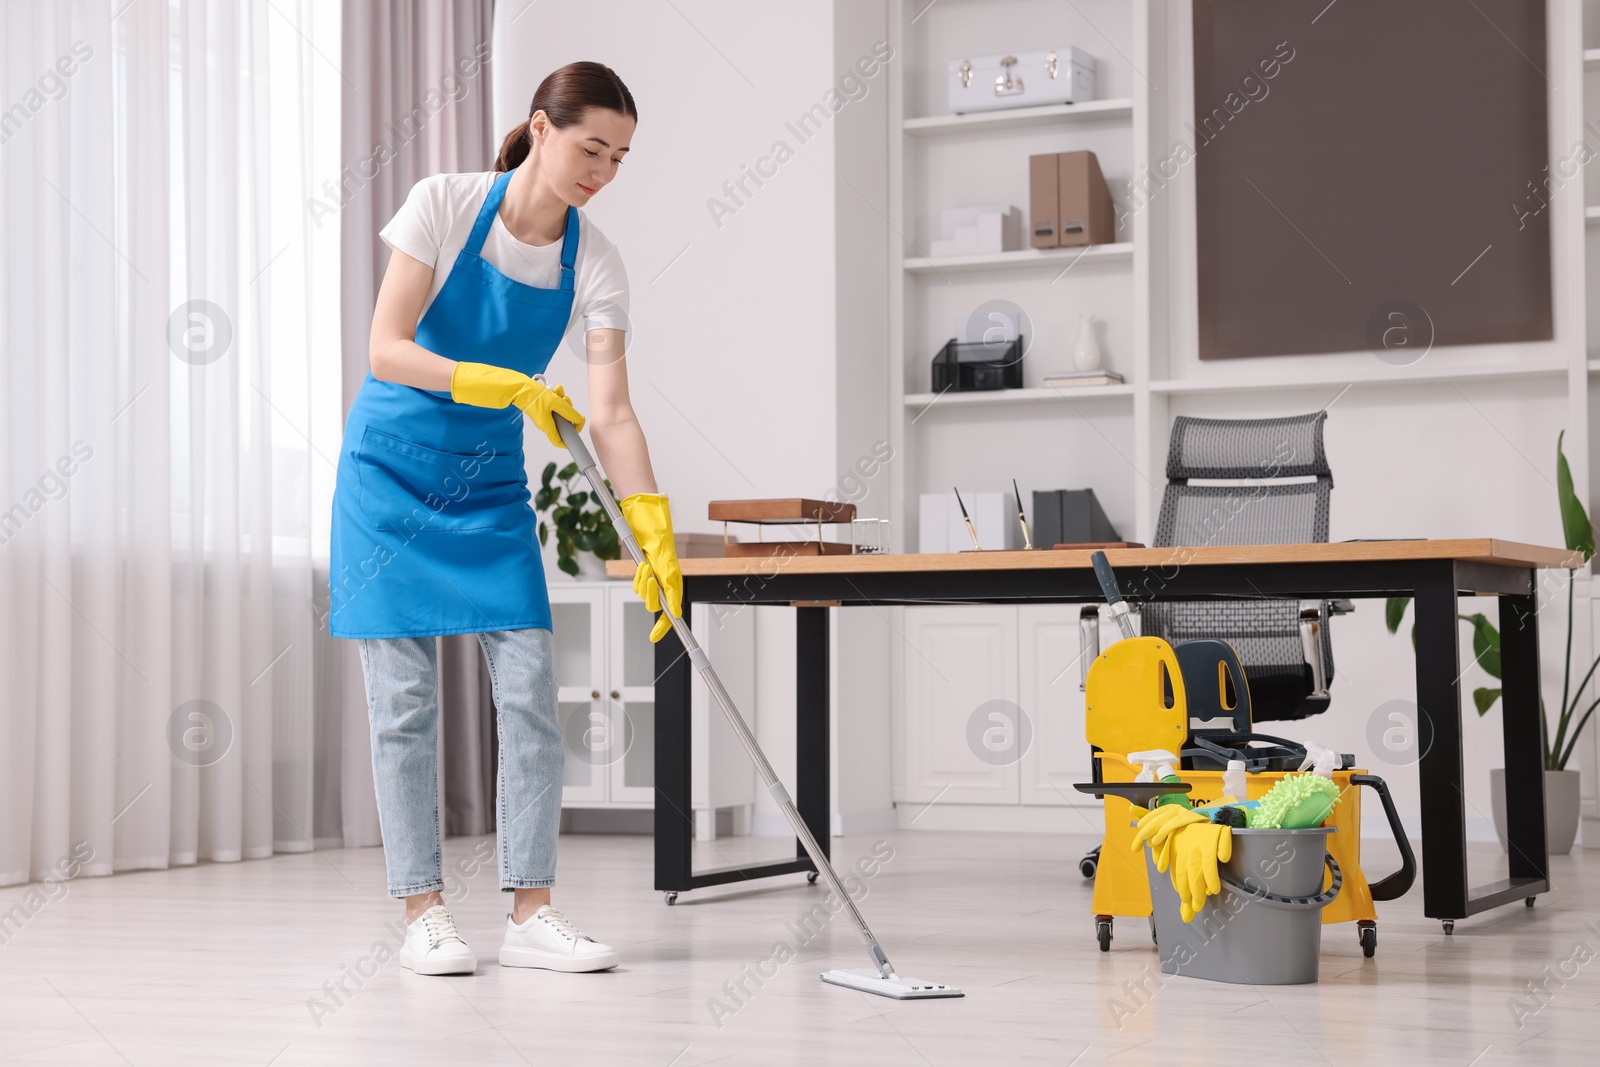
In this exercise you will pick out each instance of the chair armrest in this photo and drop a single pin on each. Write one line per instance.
(1088, 642)
(1312, 619)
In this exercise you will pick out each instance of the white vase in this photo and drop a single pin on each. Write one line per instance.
(1087, 355)
(1561, 803)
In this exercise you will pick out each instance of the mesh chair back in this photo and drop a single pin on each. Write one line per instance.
(1265, 632)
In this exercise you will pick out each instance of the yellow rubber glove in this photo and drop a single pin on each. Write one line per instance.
(1197, 850)
(487, 386)
(1157, 825)
(658, 579)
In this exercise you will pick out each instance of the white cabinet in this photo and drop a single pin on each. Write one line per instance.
(993, 713)
(605, 678)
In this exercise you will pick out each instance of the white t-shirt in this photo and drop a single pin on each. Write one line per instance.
(433, 225)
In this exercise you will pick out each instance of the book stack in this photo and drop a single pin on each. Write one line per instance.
(1081, 379)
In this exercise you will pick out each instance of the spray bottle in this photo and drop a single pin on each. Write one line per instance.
(1320, 760)
(1157, 765)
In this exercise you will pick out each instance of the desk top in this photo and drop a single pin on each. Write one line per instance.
(1489, 550)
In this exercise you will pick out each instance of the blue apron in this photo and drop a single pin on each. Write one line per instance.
(432, 530)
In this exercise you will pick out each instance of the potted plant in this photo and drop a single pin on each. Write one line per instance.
(1561, 793)
(585, 538)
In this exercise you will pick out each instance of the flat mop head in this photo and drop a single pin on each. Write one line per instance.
(870, 981)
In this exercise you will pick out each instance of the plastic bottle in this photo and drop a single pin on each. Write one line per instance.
(1234, 781)
(1156, 765)
(1320, 760)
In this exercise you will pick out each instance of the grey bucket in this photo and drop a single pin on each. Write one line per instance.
(1265, 927)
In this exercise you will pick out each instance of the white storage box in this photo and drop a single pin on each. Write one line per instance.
(1021, 79)
(941, 528)
(970, 231)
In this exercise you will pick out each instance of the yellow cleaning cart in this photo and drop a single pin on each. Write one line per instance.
(1144, 694)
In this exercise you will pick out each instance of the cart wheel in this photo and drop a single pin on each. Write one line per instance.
(1153, 940)
(1368, 932)
(1090, 862)
(1102, 930)
(1449, 925)
(1528, 903)
(811, 877)
(672, 897)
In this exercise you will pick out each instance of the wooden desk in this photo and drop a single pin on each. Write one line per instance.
(1434, 573)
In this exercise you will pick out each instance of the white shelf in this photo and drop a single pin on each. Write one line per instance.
(1058, 258)
(998, 397)
(1379, 375)
(1591, 59)
(1591, 216)
(1016, 118)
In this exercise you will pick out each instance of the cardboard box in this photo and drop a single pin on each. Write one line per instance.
(1044, 200)
(1084, 203)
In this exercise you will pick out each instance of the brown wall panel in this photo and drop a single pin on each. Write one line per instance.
(1394, 159)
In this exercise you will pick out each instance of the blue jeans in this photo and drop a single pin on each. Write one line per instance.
(402, 676)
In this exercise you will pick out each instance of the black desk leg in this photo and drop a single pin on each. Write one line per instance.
(811, 756)
(1522, 722)
(1444, 831)
(674, 823)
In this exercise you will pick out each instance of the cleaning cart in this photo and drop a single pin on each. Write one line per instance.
(1192, 700)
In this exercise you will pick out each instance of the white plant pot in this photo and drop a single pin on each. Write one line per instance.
(1561, 808)
(590, 567)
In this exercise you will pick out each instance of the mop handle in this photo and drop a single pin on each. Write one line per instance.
(702, 663)
(1108, 585)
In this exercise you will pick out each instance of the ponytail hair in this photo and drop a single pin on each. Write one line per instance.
(564, 95)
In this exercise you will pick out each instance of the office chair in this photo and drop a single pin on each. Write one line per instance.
(1283, 644)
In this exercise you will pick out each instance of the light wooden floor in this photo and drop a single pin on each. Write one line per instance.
(220, 964)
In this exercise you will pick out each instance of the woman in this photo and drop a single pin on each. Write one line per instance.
(432, 530)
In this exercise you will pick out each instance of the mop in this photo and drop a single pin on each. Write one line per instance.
(881, 977)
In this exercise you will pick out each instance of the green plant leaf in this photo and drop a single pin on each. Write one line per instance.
(545, 497)
(549, 472)
(606, 544)
(568, 471)
(583, 540)
(1485, 643)
(1484, 698)
(544, 533)
(578, 500)
(568, 564)
(1394, 610)
(1574, 520)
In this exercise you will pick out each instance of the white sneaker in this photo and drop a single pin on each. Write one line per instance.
(432, 945)
(549, 940)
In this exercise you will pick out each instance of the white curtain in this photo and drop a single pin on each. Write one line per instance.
(170, 399)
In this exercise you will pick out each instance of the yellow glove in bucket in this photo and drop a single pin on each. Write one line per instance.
(487, 386)
(659, 577)
(1196, 851)
(1157, 826)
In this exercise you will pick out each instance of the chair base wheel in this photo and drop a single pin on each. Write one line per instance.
(811, 877)
(1102, 931)
(1449, 925)
(672, 897)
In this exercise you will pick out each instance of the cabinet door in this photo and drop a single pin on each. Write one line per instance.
(961, 728)
(630, 699)
(1049, 675)
(578, 627)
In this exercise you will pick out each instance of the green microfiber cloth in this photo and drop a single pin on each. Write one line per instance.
(1298, 802)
